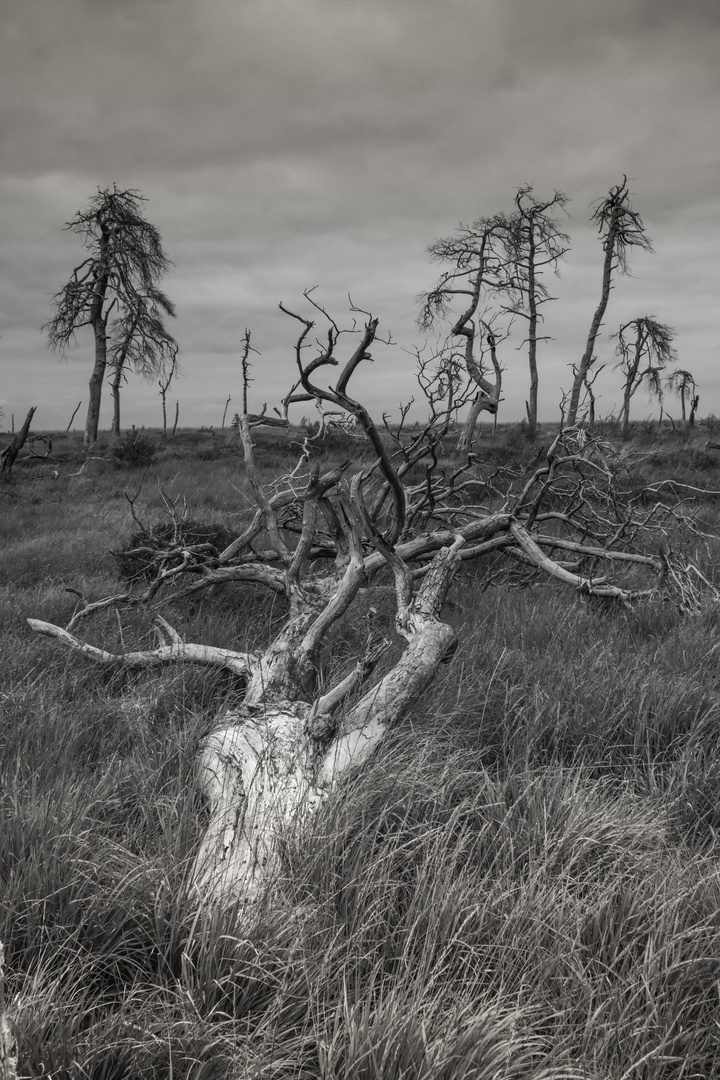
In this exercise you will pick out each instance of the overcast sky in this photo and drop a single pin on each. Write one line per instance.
(290, 143)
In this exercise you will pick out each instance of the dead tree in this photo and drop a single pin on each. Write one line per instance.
(164, 383)
(534, 242)
(10, 453)
(141, 342)
(644, 348)
(683, 384)
(317, 540)
(478, 260)
(621, 228)
(118, 279)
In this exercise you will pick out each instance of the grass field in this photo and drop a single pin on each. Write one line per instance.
(523, 883)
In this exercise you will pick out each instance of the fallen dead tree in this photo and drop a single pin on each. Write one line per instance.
(317, 539)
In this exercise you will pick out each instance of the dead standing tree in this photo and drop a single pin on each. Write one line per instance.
(644, 348)
(621, 228)
(683, 384)
(119, 279)
(141, 342)
(168, 371)
(534, 242)
(317, 539)
(478, 259)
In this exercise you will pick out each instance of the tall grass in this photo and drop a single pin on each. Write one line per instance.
(523, 883)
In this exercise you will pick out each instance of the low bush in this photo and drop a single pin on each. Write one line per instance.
(134, 451)
(138, 558)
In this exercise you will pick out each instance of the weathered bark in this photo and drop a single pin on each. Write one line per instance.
(9, 454)
(258, 775)
(480, 405)
(488, 397)
(115, 390)
(92, 420)
(266, 771)
(8, 1043)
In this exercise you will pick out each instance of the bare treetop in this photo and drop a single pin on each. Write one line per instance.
(620, 225)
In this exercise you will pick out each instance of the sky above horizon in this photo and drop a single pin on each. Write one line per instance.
(285, 144)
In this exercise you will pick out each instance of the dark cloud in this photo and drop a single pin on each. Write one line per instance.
(284, 143)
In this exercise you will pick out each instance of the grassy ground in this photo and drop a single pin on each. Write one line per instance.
(522, 884)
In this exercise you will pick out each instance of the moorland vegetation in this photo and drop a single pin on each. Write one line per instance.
(521, 882)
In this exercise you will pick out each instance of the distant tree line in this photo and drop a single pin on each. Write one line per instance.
(494, 274)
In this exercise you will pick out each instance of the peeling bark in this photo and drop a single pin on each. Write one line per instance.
(258, 775)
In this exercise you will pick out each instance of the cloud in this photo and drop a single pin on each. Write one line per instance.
(288, 143)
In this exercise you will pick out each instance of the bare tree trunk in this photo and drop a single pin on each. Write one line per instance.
(693, 409)
(8, 1044)
(8, 455)
(73, 416)
(115, 388)
(98, 321)
(488, 398)
(581, 371)
(92, 420)
(479, 405)
(625, 413)
(532, 404)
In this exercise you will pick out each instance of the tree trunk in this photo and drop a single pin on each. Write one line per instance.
(625, 413)
(271, 767)
(8, 1044)
(532, 404)
(73, 417)
(92, 420)
(8, 455)
(479, 405)
(580, 375)
(115, 387)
